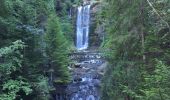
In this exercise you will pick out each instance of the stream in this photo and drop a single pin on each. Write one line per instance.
(86, 72)
(86, 77)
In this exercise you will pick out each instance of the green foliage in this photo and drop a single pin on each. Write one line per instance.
(57, 48)
(122, 80)
(137, 33)
(13, 87)
(25, 20)
(24, 70)
(12, 58)
(11, 62)
(67, 29)
(42, 87)
(157, 84)
(3, 10)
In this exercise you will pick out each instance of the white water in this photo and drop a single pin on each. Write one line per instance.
(83, 19)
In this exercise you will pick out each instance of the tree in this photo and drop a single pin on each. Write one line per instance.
(57, 50)
(11, 62)
(25, 69)
(137, 33)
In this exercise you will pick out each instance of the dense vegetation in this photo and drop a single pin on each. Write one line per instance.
(33, 54)
(138, 37)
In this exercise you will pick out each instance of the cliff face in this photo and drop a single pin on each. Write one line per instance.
(96, 30)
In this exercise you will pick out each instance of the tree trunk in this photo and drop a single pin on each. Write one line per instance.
(142, 30)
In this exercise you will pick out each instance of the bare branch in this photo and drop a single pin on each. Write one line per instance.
(156, 12)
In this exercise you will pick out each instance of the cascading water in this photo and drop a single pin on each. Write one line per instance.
(83, 19)
(85, 75)
(86, 78)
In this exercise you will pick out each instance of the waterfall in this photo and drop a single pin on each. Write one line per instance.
(83, 18)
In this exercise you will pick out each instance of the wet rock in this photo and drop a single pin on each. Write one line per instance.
(86, 79)
(70, 69)
(96, 83)
(72, 89)
(85, 68)
(102, 69)
(91, 97)
(77, 65)
(77, 79)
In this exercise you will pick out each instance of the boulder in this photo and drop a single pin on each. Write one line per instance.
(77, 65)
(102, 69)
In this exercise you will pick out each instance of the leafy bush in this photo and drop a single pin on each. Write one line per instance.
(11, 61)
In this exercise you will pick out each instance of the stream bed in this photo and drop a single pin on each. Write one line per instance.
(86, 78)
